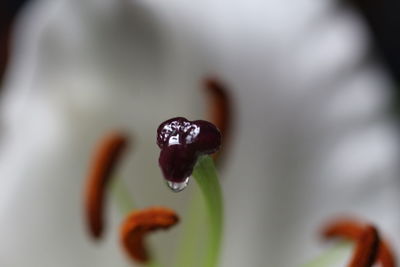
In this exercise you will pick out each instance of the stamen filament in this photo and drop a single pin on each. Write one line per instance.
(331, 256)
(122, 196)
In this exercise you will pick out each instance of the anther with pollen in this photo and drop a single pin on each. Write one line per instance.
(365, 236)
(140, 223)
(105, 160)
(220, 109)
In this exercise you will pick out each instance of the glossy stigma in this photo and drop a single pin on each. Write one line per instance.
(181, 142)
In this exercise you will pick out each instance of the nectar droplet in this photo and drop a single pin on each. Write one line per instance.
(178, 186)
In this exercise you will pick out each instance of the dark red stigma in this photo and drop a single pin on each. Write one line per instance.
(182, 142)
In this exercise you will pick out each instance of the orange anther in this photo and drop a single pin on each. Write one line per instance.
(367, 247)
(105, 159)
(365, 235)
(138, 224)
(220, 108)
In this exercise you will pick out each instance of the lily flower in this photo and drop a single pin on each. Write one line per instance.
(182, 143)
(309, 137)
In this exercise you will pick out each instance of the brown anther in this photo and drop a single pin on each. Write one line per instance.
(365, 236)
(105, 160)
(138, 224)
(220, 108)
(367, 247)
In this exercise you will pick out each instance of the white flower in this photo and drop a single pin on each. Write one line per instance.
(311, 138)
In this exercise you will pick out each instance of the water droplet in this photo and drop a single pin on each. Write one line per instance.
(177, 187)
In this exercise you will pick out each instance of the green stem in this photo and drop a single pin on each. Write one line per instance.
(206, 177)
(331, 256)
(191, 244)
